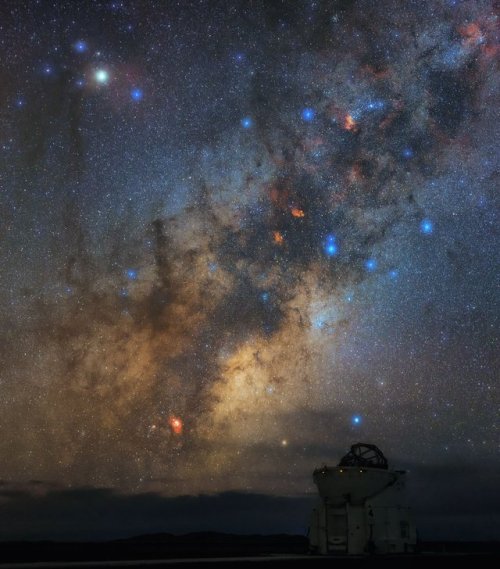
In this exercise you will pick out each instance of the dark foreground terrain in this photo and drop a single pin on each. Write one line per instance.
(202, 549)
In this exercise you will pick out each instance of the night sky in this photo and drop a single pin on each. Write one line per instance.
(237, 237)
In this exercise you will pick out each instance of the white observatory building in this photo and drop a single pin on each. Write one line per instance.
(361, 509)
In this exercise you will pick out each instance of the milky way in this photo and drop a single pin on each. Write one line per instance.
(238, 237)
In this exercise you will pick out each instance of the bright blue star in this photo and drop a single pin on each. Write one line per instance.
(136, 94)
(393, 274)
(356, 420)
(265, 296)
(426, 226)
(47, 70)
(330, 246)
(331, 249)
(212, 267)
(20, 102)
(131, 274)
(370, 264)
(308, 114)
(408, 153)
(246, 122)
(239, 57)
(80, 46)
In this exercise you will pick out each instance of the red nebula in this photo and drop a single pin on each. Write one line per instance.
(176, 425)
(278, 237)
(297, 212)
(472, 34)
(350, 124)
(280, 196)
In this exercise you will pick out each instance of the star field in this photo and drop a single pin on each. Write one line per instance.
(237, 237)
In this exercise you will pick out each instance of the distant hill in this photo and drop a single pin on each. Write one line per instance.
(155, 546)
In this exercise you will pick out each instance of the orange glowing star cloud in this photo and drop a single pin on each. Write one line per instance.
(350, 123)
(176, 425)
(296, 212)
(277, 237)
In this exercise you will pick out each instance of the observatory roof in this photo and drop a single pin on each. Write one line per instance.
(364, 455)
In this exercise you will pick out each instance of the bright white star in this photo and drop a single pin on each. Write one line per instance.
(101, 76)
